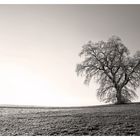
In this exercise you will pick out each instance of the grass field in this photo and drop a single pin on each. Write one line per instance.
(97, 120)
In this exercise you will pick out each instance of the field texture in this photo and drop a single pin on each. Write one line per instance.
(99, 120)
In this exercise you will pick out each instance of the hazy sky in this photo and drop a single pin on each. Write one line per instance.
(39, 46)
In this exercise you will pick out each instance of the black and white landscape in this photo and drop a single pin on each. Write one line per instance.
(70, 70)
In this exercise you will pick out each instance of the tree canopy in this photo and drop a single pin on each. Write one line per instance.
(111, 64)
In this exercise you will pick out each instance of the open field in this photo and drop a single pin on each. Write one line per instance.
(97, 120)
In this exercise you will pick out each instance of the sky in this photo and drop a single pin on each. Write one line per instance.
(39, 47)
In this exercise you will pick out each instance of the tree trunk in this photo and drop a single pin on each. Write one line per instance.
(118, 96)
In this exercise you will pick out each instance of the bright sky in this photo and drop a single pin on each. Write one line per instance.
(39, 46)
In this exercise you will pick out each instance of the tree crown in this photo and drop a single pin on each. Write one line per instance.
(113, 67)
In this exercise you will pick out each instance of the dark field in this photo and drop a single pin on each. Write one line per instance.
(98, 120)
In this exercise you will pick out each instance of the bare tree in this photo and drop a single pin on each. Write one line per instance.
(117, 72)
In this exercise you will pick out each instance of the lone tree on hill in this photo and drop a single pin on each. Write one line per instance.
(117, 72)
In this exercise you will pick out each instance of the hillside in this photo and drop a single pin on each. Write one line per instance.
(96, 120)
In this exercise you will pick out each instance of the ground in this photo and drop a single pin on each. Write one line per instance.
(97, 120)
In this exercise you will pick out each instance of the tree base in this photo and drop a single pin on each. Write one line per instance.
(121, 102)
